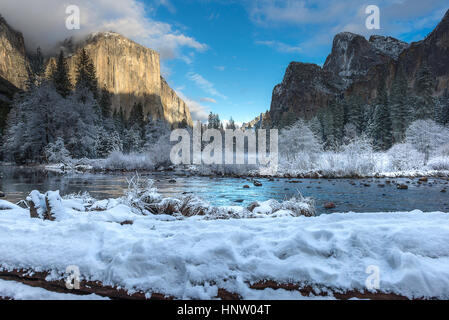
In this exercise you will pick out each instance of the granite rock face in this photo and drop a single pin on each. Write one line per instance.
(357, 66)
(132, 74)
(175, 109)
(304, 88)
(13, 59)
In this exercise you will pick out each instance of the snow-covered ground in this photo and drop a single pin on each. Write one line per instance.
(18, 291)
(193, 257)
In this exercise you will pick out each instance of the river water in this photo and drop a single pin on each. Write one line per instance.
(356, 195)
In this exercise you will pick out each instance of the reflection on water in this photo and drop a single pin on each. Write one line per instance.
(368, 195)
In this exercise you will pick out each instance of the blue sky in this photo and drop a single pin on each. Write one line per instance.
(250, 43)
(225, 56)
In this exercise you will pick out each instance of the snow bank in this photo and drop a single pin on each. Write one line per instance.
(193, 258)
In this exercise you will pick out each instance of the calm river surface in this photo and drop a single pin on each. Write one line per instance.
(365, 195)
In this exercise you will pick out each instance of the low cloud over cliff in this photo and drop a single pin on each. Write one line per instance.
(43, 24)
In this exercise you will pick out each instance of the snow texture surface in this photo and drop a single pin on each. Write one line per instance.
(194, 257)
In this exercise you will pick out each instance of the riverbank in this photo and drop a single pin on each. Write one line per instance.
(347, 195)
(222, 172)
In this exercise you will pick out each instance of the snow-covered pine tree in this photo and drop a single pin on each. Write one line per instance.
(355, 113)
(214, 122)
(56, 152)
(36, 70)
(382, 128)
(105, 103)
(442, 109)
(327, 121)
(132, 140)
(119, 121)
(297, 140)
(85, 74)
(231, 124)
(107, 142)
(399, 108)
(317, 128)
(61, 78)
(136, 116)
(427, 136)
(32, 123)
(336, 114)
(79, 118)
(424, 103)
(154, 129)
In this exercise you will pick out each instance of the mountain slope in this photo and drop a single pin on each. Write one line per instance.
(356, 67)
(13, 60)
(132, 74)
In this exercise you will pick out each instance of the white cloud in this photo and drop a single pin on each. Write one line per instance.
(204, 84)
(198, 111)
(280, 46)
(167, 4)
(324, 18)
(220, 68)
(210, 100)
(43, 23)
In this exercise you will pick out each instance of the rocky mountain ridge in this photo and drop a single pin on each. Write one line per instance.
(129, 71)
(356, 67)
(14, 64)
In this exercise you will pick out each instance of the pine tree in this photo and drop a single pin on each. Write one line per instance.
(183, 124)
(442, 109)
(337, 112)
(86, 77)
(355, 113)
(136, 116)
(231, 124)
(61, 77)
(214, 122)
(105, 103)
(399, 108)
(317, 128)
(326, 118)
(382, 128)
(119, 121)
(37, 68)
(136, 124)
(424, 102)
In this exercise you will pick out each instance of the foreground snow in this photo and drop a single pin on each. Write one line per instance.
(18, 291)
(192, 258)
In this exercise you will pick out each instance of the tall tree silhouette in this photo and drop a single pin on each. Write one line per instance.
(61, 77)
(86, 77)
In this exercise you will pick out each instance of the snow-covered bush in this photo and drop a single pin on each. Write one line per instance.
(226, 170)
(119, 161)
(405, 157)
(438, 163)
(427, 136)
(57, 153)
(159, 152)
(356, 158)
(107, 143)
(41, 116)
(298, 146)
(141, 195)
(296, 207)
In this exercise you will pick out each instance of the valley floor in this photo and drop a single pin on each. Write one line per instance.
(272, 253)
